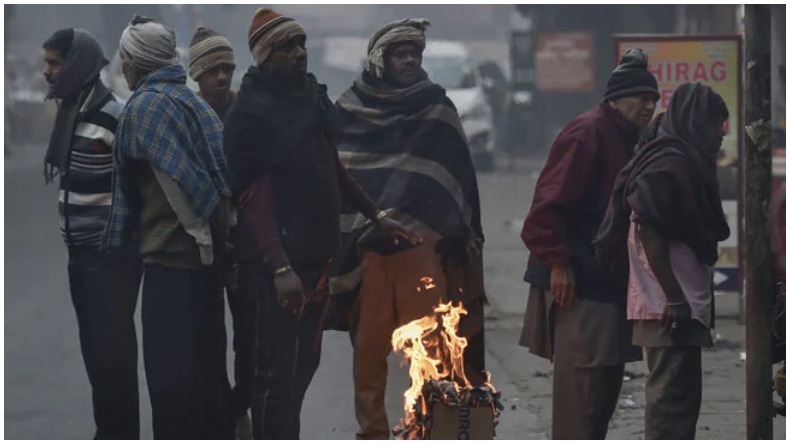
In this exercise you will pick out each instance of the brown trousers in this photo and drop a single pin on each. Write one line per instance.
(388, 299)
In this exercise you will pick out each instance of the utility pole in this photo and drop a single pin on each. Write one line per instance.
(759, 257)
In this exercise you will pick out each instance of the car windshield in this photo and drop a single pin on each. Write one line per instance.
(449, 72)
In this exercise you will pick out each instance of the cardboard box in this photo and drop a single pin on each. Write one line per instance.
(461, 423)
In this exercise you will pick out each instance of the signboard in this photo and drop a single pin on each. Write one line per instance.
(565, 62)
(717, 62)
(522, 59)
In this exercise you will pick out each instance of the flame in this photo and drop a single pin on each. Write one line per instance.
(433, 350)
(427, 283)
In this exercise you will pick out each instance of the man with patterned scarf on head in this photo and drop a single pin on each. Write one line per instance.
(402, 140)
(169, 187)
(287, 181)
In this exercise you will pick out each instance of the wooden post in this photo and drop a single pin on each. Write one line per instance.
(759, 258)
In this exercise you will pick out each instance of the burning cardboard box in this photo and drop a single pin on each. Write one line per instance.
(441, 403)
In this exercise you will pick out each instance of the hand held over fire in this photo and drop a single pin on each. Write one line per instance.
(396, 229)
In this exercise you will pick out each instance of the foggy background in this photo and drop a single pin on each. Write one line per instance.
(484, 29)
(47, 395)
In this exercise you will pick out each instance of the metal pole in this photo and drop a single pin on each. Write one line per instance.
(759, 259)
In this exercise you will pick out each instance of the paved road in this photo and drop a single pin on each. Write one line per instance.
(46, 388)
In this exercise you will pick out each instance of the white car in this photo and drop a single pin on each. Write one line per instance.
(448, 63)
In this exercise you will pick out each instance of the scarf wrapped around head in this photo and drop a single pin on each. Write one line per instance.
(81, 68)
(401, 31)
(148, 44)
(671, 182)
(267, 29)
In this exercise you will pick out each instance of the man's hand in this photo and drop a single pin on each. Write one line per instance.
(232, 276)
(674, 314)
(563, 284)
(290, 294)
(473, 247)
(395, 229)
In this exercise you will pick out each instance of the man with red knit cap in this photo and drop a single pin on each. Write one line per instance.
(287, 180)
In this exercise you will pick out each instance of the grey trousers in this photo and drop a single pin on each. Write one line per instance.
(592, 343)
(585, 399)
(673, 392)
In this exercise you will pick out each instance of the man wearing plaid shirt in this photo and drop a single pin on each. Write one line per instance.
(169, 193)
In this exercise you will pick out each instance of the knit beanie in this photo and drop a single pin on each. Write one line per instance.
(207, 50)
(267, 28)
(631, 77)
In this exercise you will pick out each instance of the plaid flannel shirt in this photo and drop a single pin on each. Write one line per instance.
(167, 124)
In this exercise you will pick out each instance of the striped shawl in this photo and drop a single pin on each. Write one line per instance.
(408, 151)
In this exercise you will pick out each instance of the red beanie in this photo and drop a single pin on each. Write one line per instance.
(263, 20)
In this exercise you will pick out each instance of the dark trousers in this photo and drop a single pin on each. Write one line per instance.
(241, 302)
(288, 351)
(184, 350)
(584, 400)
(104, 289)
(673, 392)
(592, 343)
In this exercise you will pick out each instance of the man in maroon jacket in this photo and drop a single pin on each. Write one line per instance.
(584, 330)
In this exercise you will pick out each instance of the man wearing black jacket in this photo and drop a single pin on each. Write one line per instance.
(288, 182)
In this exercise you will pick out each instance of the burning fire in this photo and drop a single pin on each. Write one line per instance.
(426, 283)
(435, 354)
(423, 345)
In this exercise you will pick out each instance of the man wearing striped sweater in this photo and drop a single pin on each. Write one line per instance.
(103, 285)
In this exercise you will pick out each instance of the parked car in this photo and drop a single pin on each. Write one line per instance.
(448, 63)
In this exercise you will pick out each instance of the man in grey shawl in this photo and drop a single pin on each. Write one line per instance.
(103, 286)
(169, 186)
(401, 139)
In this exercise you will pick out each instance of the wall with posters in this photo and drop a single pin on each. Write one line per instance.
(717, 62)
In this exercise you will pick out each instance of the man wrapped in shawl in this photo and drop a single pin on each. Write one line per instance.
(169, 189)
(666, 210)
(401, 139)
